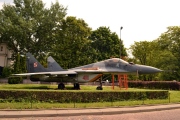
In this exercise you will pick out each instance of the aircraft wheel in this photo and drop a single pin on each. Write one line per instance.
(76, 86)
(99, 88)
(61, 86)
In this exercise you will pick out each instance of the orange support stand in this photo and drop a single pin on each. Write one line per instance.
(120, 81)
(113, 82)
(123, 81)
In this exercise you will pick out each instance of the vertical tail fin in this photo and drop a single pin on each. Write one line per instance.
(33, 65)
(53, 65)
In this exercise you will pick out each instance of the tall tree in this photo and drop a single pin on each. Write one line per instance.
(146, 53)
(27, 26)
(169, 43)
(23, 66)
(73, 46)
(17, 66)
(106, 44)
(140, 51)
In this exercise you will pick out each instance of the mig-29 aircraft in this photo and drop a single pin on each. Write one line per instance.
(81, 74)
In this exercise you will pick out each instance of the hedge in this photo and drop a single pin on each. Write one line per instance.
(85, 97)
(166, 85)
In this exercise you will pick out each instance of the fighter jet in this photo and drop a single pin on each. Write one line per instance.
(85, 73)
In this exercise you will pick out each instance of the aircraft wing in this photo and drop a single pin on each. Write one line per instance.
(89, 70)
(101, 71)
(76, 71)
(46, 73)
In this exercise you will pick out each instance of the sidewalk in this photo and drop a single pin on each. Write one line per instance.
(86, 111)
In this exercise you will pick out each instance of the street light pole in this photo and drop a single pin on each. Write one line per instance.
(120, 42)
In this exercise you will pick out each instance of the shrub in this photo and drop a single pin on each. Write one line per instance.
(14, 80)
(167, 85)
(6, 72)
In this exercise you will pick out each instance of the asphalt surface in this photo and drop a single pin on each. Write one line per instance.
(87, 111)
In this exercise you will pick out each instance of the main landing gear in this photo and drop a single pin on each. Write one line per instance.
(61, 86)
(76, 86)
(100, 86)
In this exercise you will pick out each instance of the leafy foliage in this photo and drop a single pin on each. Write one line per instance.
(27, 26)
(169, 43)
(73, 48)
(14, 80)
(6, 72)
(106, 44)
(146, 53)
(17, 66)
(20, 64)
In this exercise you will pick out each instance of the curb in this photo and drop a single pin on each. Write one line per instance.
(80, 112)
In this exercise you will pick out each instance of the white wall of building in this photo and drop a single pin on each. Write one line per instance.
(5, 55)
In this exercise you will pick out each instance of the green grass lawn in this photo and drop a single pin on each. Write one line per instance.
(174, 97)
(54, 87)
(68, 87)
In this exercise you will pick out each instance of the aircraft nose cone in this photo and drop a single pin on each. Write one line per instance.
(148, 70)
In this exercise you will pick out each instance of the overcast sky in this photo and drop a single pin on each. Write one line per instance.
(141, 19)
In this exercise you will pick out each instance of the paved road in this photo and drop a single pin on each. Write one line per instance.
(144, 112)
(153, 115)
